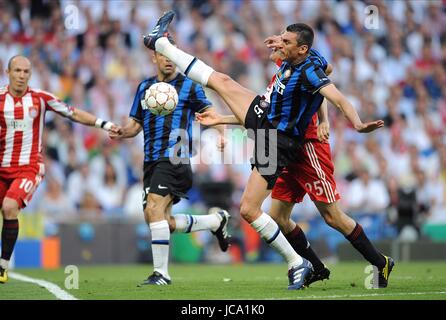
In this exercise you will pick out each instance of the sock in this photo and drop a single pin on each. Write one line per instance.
(192, 67)
(300, 244)
(160, 246)
(10, 231)
(189, 223)
(4, 264)
(270, 232)
(359, 240)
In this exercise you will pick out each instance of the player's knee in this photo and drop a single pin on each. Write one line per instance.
(223, 77)
(153, 210)
(220, 80)
(247, 211)
(330, 218)
(10, 208)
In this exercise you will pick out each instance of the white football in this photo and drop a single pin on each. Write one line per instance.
(161, 98)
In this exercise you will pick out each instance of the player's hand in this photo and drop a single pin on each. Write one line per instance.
(221, 143)
(370, 126)
(273, 42)
(323, 131)
(208, 118)
(115, 132)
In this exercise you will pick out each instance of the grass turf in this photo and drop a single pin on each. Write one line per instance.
(415, 280)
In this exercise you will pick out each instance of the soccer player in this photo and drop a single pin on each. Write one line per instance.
(297, 93)
(166, 182)
(22, 113)
(312, 173)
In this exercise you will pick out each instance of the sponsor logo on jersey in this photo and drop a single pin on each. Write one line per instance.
(279, 86)
(18, 125)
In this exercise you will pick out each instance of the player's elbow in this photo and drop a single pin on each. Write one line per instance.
(329, 69)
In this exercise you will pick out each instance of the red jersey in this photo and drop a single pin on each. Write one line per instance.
(21, 126)
(311, 132)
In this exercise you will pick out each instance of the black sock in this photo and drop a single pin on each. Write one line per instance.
(10, 231)
(299, 242)
(359, 240)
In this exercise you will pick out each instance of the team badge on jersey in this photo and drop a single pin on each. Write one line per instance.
(264, 104)
(287, 73)
(33, 112)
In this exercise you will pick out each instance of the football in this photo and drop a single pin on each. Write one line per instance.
(161, 98)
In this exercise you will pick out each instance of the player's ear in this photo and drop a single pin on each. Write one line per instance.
(303, 49)
(154, 58)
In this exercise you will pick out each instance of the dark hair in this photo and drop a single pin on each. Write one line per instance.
(305, 33)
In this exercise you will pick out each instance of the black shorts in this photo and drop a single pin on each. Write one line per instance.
(162, 177)
(273, 150)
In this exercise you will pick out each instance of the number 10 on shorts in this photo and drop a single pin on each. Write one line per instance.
(26, 185)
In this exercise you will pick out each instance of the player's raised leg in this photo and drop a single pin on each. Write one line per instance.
(255, 193)
(154, 214)
(237, 97)
(354, 233)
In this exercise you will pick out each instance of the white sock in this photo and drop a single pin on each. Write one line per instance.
(192, 67)
(160, 246)
(4, 264)
(270, 232)
(189, 223)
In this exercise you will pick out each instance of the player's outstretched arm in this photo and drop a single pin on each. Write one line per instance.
(339, 100)
(323, 128)
(210, 117)
(131, 129)
(89, 119)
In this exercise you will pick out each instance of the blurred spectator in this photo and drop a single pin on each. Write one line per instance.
(79, 182)
(109, 192)
(133, 207)
(55, 203)
(367, 195)
(89, 207)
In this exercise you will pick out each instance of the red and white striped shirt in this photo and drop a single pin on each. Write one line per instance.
(21, 126)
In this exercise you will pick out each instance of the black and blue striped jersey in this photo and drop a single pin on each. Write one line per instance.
(162, 133)
(295, 97)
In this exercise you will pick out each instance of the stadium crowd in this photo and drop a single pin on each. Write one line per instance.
(90, 53)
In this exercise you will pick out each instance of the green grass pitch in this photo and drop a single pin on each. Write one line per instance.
(416, 280)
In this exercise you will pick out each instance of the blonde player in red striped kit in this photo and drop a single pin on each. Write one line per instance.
(22, 114)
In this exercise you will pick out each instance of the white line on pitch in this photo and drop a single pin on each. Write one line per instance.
(51, 287)
(365, 295)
